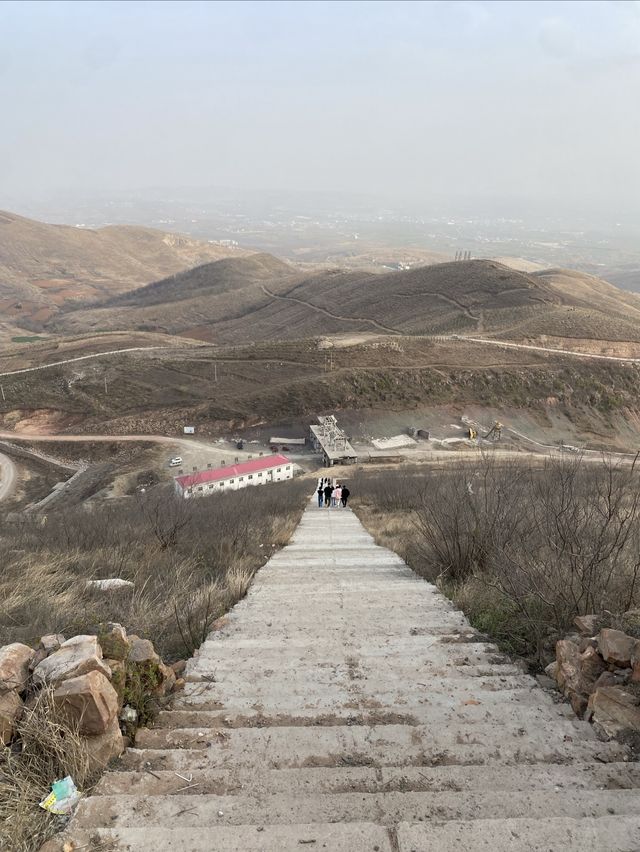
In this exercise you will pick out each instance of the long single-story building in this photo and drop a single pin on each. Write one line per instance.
(260, 471)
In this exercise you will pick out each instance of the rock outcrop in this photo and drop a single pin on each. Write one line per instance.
(14, 667)
(600, 675)
(92, 677)
(77, 656)
(89, 701)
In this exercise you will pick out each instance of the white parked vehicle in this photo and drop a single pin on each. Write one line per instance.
(176, 461)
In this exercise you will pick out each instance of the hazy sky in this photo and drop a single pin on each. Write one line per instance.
(468, 100)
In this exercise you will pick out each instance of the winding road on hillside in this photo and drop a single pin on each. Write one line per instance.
(387, 330)
(346, 705)
(7, 476)
(379, 326)
(509, 345)
(88, 357)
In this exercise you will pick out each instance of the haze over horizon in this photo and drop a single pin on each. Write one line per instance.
(469, 102)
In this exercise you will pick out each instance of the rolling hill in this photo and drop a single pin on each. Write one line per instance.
(261, 298)
(44, 267)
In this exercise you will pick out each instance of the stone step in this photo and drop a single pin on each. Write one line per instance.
(206, 697)
(556, 834)
(331, 837)
(559, 834)
(430, 719)
(450, 664)
(442, 648)
(583, 776)
(385, 745)
(436, 714)
(209, 810)
(510, 753)
(411, 675)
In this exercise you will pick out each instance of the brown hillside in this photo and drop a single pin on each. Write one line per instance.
(43, 267)
(276, 382)
(260, 298)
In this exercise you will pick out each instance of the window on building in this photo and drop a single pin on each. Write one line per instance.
(278, 470)
(200, 488)
(250, 476)
(241, 479)
(288, 467)
(231, 481)
(259, 474)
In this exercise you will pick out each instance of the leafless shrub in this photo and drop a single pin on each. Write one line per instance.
(524, 547)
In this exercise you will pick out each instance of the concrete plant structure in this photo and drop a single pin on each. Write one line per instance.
(329, 439)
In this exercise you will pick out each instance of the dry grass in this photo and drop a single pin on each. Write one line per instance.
(49, 750)
(189, 562)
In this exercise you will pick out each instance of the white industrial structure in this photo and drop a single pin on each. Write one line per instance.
(329, 439)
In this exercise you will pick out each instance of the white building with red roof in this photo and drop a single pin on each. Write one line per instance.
(230, 477)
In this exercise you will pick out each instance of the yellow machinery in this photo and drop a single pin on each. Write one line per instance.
(495, 433)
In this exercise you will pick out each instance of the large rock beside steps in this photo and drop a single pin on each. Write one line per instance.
(104, 747)
(10, 711)
(616, 710)
(75, 657)
(616, 647)
(88, 700)
(14, 666)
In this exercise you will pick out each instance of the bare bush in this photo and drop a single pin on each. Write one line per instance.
(524, 547)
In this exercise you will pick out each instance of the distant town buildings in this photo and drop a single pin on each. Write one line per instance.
(260, 471)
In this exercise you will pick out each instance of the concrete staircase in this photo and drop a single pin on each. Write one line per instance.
(347, 706)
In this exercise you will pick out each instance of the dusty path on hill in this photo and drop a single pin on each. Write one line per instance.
(508, 345)
(428, 455)
(7, 476)
(87, 357)
(345, 705)
(387, 329)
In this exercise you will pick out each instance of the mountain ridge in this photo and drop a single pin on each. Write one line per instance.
(44, 267)
(262, 298)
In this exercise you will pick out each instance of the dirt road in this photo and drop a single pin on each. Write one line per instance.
(87, 357)
(7, 476)
(508, 345)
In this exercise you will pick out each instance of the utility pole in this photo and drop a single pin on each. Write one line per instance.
(3, 396)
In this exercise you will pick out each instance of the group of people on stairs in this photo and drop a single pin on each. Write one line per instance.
(330, 495)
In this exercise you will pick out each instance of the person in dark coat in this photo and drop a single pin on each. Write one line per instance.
(320, 493)
(345, 496)
(328, 491)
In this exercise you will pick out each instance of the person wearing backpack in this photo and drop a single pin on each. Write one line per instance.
(345, 496)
